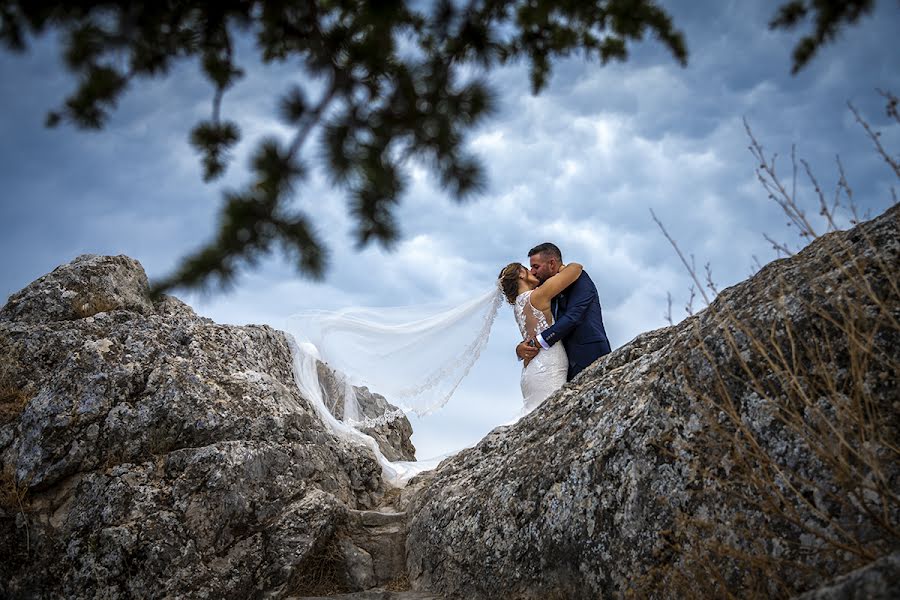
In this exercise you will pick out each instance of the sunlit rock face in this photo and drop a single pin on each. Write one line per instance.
(762, 429)
(149, 452)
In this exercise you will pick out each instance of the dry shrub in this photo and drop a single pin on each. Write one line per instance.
(801, 427)
(322, 571)
(15, 394)
(806, 429)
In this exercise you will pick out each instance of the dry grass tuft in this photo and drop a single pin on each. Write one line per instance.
(400, 584)
(11, 496)
(800, 427)
(13, 401)
(322, 571)
(14, 395)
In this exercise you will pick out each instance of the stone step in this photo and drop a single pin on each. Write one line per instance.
(380, 539)
(377, 518)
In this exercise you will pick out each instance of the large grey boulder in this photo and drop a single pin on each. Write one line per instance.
(750, 449)
(147, 452)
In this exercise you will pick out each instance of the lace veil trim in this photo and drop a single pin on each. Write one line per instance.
(415, 357)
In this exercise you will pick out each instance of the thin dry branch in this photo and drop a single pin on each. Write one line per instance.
(893, 163)
(689, 267)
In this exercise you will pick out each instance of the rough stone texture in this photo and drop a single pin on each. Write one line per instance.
(877, 581)
(86, 286)
(147, 452)
(610, 483)
(393, 437)
(381, 536)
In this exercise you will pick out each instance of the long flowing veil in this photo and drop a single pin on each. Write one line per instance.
(414, 356)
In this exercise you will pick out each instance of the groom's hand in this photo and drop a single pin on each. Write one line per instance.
(526, 351)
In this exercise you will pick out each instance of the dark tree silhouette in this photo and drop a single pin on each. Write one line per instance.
(393, 81)
(395, 85)
(829, 16)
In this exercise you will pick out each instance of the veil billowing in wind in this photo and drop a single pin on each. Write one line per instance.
(415, 356)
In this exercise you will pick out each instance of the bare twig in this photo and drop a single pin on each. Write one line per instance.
(668, 315)
(824, 211)
(690, 267)
(709, 280)
(876, 138)
(757, 266)
(892, 103)
(689, 305)
(778, 246)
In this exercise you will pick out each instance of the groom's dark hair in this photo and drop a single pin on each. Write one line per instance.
(546, 248)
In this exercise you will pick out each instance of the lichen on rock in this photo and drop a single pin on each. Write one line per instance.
(752, 447)
(149, 452)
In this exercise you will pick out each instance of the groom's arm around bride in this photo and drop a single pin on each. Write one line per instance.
(578, 315)
(579, 325)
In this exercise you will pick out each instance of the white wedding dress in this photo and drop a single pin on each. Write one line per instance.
(546, 372)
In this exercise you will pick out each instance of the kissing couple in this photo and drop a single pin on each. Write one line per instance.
(558, 312)
(410, 360)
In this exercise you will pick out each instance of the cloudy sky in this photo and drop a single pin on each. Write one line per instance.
(581, 165)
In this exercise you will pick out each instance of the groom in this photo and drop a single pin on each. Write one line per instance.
(578, 320)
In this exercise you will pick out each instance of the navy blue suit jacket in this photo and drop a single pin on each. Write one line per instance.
(579, 325)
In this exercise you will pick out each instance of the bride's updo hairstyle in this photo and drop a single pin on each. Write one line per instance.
(509, 281)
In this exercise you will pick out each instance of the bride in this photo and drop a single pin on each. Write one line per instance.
(416, 356)
(546, 372)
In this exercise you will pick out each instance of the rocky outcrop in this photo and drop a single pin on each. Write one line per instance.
(148, 452)
(80, 289)
(750, 448)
